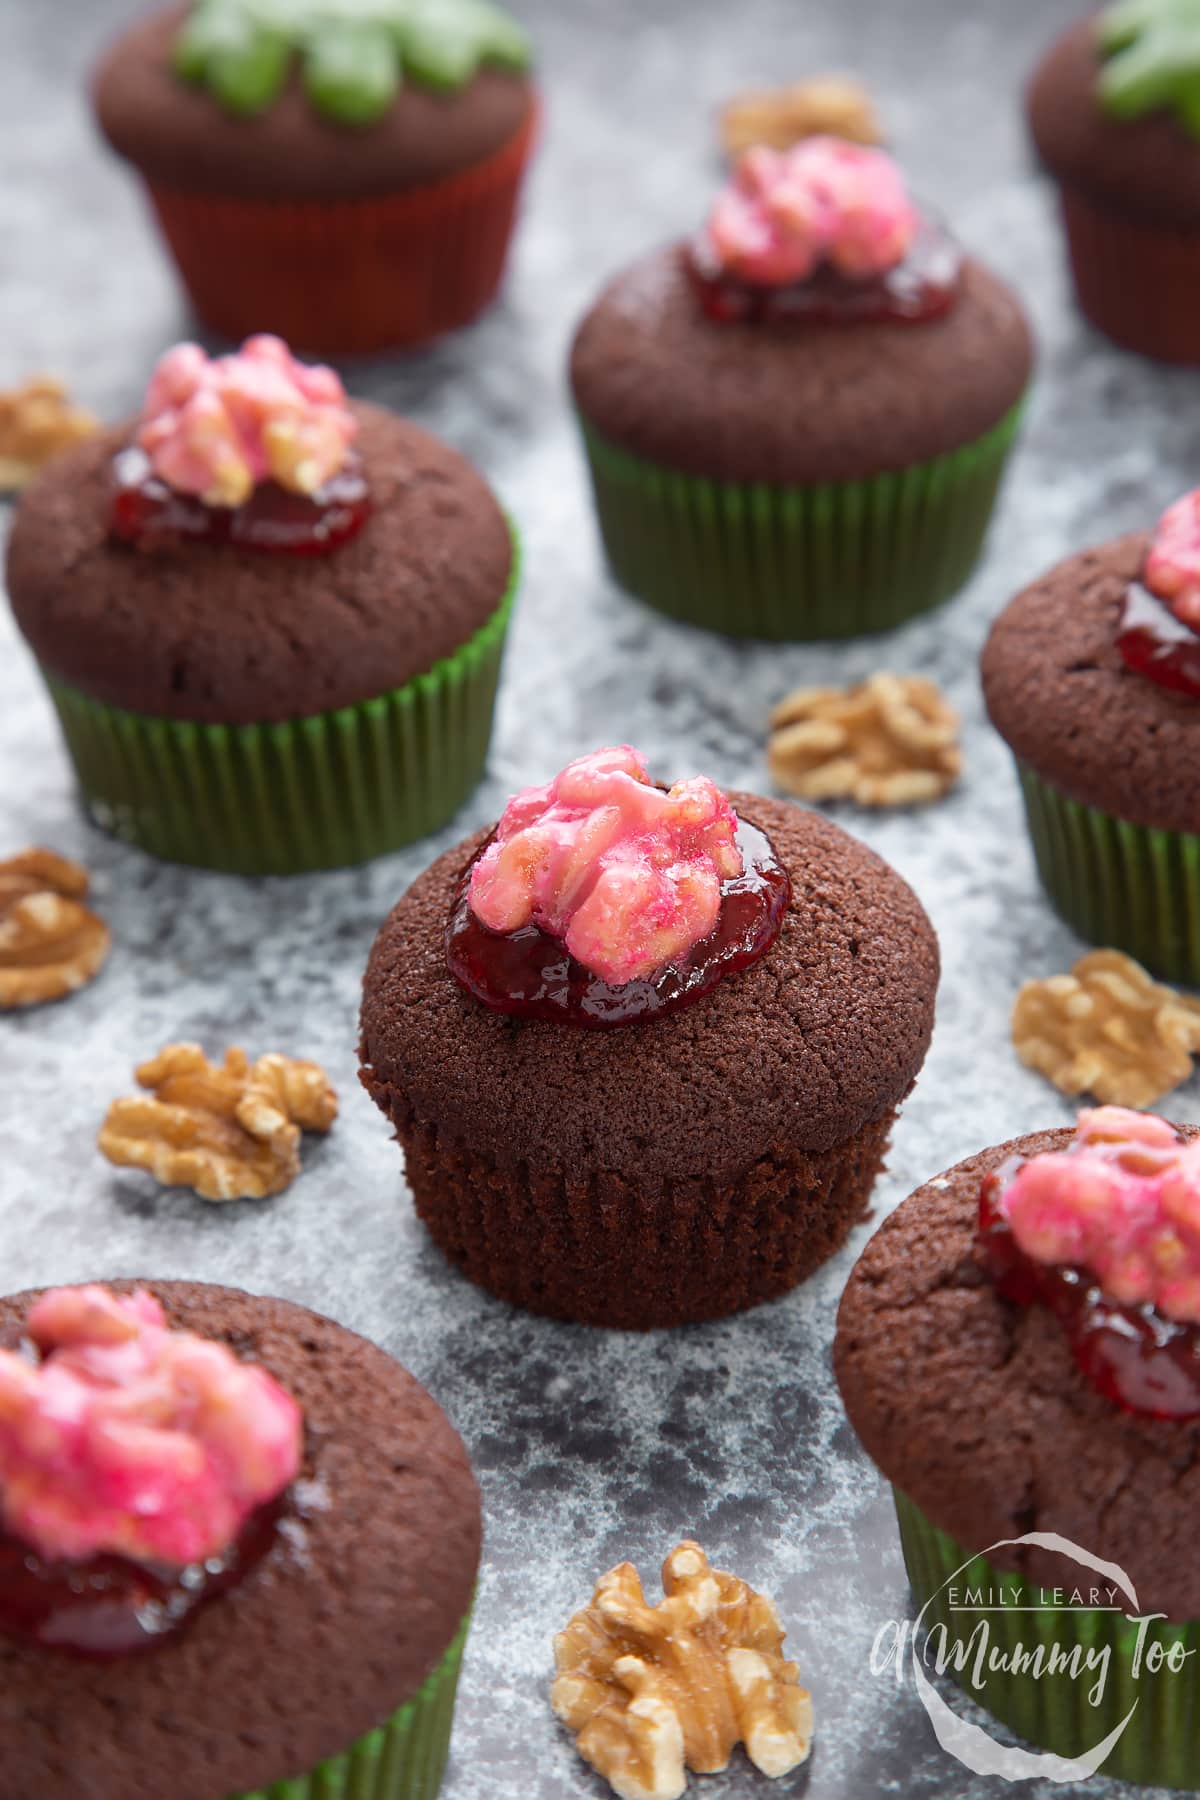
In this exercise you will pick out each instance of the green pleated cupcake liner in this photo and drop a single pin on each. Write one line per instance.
(1127, 887)
(832, 559)
(1159, 1745)
(322, 792)
(404, 1759)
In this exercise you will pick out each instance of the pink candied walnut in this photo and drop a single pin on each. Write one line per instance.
(1124, 1203)
(1172, 566)
(627, 876)
(824, 201)
(219, 426)
(132, 1439)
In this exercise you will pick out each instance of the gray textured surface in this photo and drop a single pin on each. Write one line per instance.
(590, 1447)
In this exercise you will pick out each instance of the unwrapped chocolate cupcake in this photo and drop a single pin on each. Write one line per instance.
(1092, 677)
(344, 175)
(643, 1049)
(238, 1546)
(797, 421)
(1114, 108)
(1018, 1349)
(270, 618)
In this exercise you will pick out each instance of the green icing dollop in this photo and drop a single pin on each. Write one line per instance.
(353, 54)
(1152, 59)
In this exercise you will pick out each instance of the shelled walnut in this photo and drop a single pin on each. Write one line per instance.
(50, 942)
(889, 741)
(652, 1691)
(778, 117)
(1108, 1029)
(229, 1132)
(37, 420)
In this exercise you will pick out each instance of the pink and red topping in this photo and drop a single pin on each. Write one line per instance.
(602, 900)
(1158, 633)
(1106, 1234)
(627, 877)
(218, 427)
(1122, 1202)
(130, 1439)
(825, 201)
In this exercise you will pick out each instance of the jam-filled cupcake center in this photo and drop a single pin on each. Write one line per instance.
(1106, 1234)
(602, 899)
(823, 233)
(1158, 634)
(251, 450)
(143, 1471)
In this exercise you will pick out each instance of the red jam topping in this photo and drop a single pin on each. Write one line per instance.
(1159, 631)
(141, 1470)
(251, 449)
(1107, 1235)
(602, 900)
(822, 233)
(147, 512)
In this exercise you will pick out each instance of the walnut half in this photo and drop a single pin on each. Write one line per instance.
(890, 741)
(651, 1691)
(50, 942)
(37, 420)
(229, 1132)
(779, 117)
(1108, 1029)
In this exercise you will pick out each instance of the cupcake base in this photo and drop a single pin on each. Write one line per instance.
(828, 560)
(349, 276)
(1134, 281)
(603, 1252)
(1127, 887)
(404, 1759)
(1157, 1747)
(317, 793)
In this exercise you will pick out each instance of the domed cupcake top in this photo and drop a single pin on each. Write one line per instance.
(352, 58)
(1159, 628)
(601, 897)
(252, 449)
(824, 200)
(824, 233)
(1106, 1232)
(1152, 60)
(120, 1436)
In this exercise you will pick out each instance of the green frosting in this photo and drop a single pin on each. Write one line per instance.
(353, 54)
(1152, 51)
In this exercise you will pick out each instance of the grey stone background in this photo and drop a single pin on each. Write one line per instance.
(590, 1446)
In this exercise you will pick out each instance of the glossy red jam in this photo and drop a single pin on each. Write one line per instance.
(1157, 644)
(109, 1606)
(533, 975)
(146, 512)
(1137, 1358)
(924, 286)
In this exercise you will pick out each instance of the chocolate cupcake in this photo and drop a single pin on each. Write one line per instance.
(345, 177)
(797, 423)
(1018, 1349)
(1114, 108)
(1092, 677)
(643, 1051)
(238, 1552)
(270, 619)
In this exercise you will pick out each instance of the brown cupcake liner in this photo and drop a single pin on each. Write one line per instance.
(1136, 282)
(349, 275)
(603, 1250)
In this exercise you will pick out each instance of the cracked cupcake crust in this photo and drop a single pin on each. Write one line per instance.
(819, 1038)
(975, 1408)
(1065, 701)
(221, 636)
